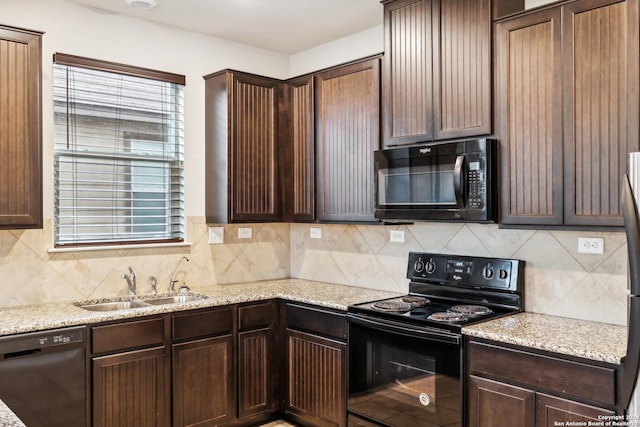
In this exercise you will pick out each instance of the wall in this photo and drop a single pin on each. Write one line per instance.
(77, 30)
(359, 45)
(558, 280)
(30, 273)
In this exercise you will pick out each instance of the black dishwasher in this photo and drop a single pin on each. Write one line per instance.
(42, 377)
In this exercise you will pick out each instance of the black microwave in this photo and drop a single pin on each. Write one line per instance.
(446, 181)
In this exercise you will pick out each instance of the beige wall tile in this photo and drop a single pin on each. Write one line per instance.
(558, 280)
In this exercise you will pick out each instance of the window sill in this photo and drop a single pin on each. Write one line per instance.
(116, 247)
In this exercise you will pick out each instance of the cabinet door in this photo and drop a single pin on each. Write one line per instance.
(302, 135)
(129, 389)
(461, 68)
(600, 44)
(529, 118)
(551, 411)
(407, 91)
(316, 386)
(347, 126)
(256, 386)
(20, 129)
(253, 151)
(495, 404)
(203, 387)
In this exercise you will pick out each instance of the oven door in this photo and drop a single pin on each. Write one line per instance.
(403, 375)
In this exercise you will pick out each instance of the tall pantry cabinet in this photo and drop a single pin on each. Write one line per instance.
(567, 111)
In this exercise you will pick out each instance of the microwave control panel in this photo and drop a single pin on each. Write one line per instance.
(475, 183)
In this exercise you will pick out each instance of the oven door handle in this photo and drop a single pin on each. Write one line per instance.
(406, 329)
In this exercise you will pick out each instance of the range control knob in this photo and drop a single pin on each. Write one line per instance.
(487, 272)
(503, 274)
(431, 267)
(418, 266)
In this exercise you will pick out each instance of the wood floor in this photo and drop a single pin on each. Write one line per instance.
(278, 423)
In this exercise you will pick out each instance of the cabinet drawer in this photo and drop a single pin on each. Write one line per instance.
(202, 324)
(316, 320)
(255, 316)
(123, 336)
(568, 378)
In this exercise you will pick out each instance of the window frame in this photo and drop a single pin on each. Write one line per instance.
(128, 70)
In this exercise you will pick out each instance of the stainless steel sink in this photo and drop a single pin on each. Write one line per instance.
(139, 303)
(176, 299)
(114, 305)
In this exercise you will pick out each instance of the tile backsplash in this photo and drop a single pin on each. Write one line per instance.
(558, 280)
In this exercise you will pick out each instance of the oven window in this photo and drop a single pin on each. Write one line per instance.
(402, 381)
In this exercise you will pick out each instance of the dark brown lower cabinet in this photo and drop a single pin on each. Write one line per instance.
(203, 382)
(497, 404)
(203, 368)
(257, 369)
(130, 385)
(129, 389)
(255, 394)
(550, 409)
(510, 386)
(315, 358)
(316, 371)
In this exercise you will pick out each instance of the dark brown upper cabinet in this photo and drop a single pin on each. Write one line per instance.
(242, 152)
(529, 118)
(20, 128)
(301, 115)
(600, 54)
(347, 133)
(566, 114)
(437, 70)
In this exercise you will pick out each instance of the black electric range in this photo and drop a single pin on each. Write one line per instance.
(450, 291)
(406, 354)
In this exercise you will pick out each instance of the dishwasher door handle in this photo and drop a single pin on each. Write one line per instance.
(23, 353)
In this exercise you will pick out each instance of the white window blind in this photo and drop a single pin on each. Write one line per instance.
(118, 150)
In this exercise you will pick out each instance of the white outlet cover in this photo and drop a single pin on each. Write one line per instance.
(244, 233)
(591, 245)
(216, 235)
(396, 236)
(315, 233)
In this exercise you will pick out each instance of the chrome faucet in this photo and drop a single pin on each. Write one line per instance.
(172, 282)
(131, 280)
(154, 284)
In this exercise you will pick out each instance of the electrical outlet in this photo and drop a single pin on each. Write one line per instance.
(216, 235)
(315, 233)
(590, 245)
(244, 233)
(396, 236)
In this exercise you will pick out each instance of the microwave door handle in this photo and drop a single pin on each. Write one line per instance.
(458, 181)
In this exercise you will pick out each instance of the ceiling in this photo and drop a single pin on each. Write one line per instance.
(286, 26)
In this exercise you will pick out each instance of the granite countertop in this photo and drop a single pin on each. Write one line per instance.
(590, 340)
(15, 320)
(8, 418)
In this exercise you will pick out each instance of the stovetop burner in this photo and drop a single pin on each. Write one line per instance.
(448, 316)
(392, 306)
(471, 310)
(415, 300)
